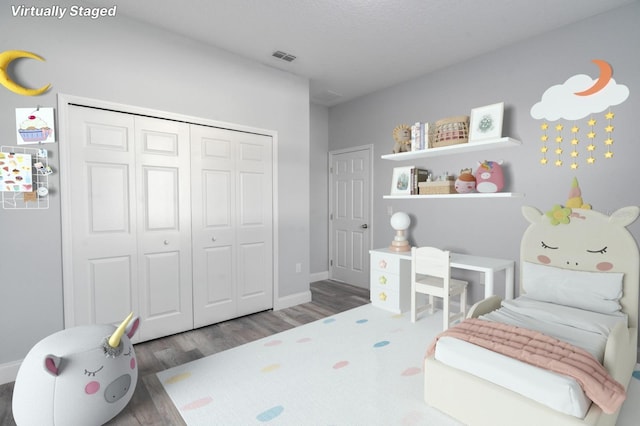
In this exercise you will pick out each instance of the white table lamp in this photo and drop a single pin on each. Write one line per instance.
(400, 221)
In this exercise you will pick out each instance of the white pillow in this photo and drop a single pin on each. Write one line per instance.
(592, 291)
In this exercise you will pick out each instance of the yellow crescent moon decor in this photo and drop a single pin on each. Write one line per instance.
(605, 75)
(6, 58)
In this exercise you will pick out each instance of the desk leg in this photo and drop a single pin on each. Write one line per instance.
(488, 283)
(509, 282)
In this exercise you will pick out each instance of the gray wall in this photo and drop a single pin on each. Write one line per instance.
(123, 61)
(517, 75)
(319, 198)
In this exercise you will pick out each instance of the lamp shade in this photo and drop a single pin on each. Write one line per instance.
(400, 221)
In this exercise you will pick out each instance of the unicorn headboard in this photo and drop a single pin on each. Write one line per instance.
(580, 239)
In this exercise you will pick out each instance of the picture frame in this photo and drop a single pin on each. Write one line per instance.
(486, 122)
(401, 180)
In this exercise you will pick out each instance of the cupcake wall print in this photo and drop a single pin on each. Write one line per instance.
(35, 126)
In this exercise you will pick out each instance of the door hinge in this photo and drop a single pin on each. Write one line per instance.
(331, 262)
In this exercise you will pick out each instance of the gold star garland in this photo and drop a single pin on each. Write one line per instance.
(575, 141)
(558, 149)
(574, 144)
(609, 129)
(544, 138)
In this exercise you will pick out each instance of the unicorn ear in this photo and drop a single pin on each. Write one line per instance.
(532, 214)
(132, 327)
(625, 216)
(52, 364)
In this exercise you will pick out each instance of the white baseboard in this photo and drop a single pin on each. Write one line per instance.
(292, 300)
(318, 276)
(9, 371)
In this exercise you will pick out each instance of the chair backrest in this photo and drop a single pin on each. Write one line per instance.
(431, 261)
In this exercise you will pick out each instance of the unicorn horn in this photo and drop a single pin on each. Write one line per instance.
(114, 340)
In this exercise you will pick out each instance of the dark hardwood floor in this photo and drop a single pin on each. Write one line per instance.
(150, 404)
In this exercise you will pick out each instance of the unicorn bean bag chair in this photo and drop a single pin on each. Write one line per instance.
(83, 375)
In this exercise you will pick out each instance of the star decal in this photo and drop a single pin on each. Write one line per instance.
(559, 139)
(609, 115)
(543, 161)
(592, 122)
(574, 166)
(591, 160)
(575, 129)
(591, 135)
(558, 151)
(558, 163)
(609, 128)
(574, 141)
(559, 127)
(574, 154)
(544, 138)
(544, 126)
(591, 147)
(544, 149)
(608, 141)
(608, 154)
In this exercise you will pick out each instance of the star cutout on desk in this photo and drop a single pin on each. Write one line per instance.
(383, 296)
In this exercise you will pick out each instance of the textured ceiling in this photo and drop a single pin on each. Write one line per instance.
(348, 48)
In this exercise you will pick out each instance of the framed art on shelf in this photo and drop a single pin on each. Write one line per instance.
(401, 182)
(486, 122)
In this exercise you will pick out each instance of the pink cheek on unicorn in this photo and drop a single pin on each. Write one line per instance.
(92, 387)
(544, 259)
(132, 364)
(604, 266)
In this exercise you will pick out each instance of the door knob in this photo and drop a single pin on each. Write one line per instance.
(166, 242)
(365, 226)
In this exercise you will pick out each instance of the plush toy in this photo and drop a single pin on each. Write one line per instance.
(489, 177)
(466, 182)
(402, 136)
(82, 375)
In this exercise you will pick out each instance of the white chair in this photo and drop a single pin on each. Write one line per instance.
(431, 275)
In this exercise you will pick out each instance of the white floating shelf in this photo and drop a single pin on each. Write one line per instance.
(505, 142)
(472, 195)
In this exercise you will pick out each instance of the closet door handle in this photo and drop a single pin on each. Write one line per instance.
(213, 239)
(166, 242)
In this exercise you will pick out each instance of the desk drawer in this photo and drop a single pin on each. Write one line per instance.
(385, 298)
(385, 262)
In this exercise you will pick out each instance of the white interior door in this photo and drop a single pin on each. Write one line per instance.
(164, 226)
(232, 223)
(128, 184)
(100, 180)
(350, 212)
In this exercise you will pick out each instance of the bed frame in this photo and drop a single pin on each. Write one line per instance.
(475, 401)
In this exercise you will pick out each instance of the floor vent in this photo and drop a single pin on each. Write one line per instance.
(284, 56)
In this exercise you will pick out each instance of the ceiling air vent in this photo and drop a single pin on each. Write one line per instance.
(283, 56)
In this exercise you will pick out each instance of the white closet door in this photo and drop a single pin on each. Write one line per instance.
(100, 180)
(232, 223)
(129, 212)
(164, 226)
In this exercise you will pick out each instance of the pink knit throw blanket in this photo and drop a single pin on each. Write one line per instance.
(542, 351)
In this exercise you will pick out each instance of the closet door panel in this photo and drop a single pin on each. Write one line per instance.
(164, 226)
(100, 185)
(254, 230)
(213, 222)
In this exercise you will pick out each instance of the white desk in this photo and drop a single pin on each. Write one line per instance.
(380, 258)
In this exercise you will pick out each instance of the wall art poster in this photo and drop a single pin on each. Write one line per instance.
(15, 172)
(486, 122)
(35, 126)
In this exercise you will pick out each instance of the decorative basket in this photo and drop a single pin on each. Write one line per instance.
(451, 131)
(437, 187)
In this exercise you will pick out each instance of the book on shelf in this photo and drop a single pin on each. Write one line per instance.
(418, 175)
(422, 134)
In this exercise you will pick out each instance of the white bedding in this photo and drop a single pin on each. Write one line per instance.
(585, 329)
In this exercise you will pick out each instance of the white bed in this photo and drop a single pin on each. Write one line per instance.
(481, 387)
